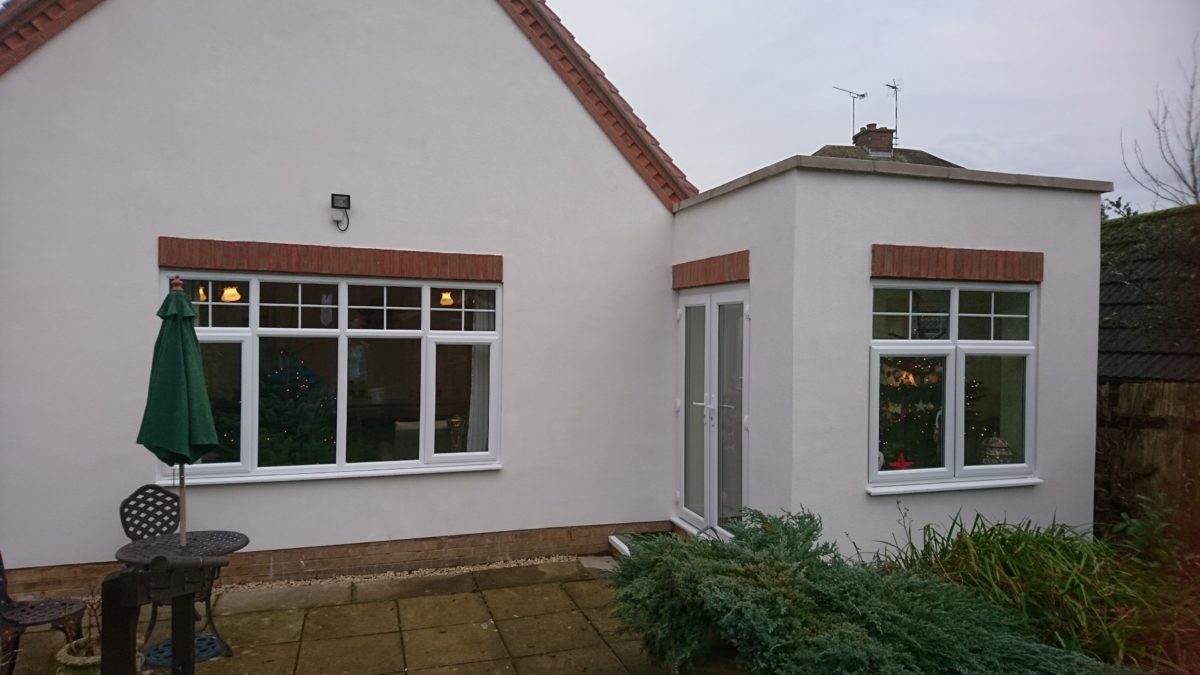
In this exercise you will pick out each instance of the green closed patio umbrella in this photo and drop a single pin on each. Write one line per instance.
(177, 425)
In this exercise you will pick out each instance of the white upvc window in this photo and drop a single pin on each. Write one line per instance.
(320, 377)
(953, 382)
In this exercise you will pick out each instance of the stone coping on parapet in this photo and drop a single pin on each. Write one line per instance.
(888, 168)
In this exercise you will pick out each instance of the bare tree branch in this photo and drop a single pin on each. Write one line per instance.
(1176, 127)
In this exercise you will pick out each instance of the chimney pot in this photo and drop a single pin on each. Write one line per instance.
(871, 126)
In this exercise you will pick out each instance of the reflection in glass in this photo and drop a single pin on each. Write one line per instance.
(223, 376)
(729, 411)
(912, 412)
(891, 300)
(297, 401)
(994, 410)
(889, 327)
(462, 405)
(693, 410)
(974, 302)
(384, 408)
(932, 301)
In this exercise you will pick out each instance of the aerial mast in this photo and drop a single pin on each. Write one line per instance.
(855, 97)
(895, 87)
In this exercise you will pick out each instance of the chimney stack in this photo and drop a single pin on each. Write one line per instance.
(875, 141)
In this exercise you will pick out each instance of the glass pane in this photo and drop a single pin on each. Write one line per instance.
(230, 315)
(891, 300)
(974, 302)
(480, 321)
(1012, 329)
(197, 290)
(297, 401)
(403, 296)
(729, 411)
(912, 412)
(318, 317)
(278, 317)
(890, 328)
(693, 410)
(223, 376)
(443, 320)
(366, 296)
(931, 301)
(461, 407)
(366, 318)
(994, 410)
(446, 298)
(930, 327)
(274, 292)
(477, 299)
(404, 319)
(230, 292)
(319, 294)
(1012, 303)
(383, 411)
(975, 328)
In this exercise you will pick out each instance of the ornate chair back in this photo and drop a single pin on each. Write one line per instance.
(149, 512)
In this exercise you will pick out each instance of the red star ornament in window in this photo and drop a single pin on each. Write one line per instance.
(901, 463)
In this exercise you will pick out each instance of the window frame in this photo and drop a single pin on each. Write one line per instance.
(956, 351)
(248, 470)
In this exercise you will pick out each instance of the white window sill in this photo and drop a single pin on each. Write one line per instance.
(949, 486)
(235, 479)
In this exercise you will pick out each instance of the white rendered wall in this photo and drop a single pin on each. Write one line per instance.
(839, 216)
(235, 120)
(759, 218)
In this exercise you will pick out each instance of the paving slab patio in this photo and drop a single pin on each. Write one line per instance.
(545, 619)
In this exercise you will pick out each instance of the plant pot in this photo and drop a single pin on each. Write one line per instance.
(70, 664)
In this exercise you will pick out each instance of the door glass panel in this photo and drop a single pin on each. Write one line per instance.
(693, 409)
(729, 411)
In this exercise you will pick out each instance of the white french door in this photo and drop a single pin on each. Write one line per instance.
(711, 485)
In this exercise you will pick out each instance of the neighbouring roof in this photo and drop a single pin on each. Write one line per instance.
(1149, 288)
(25, 25)
(890, 168)
(901, 155)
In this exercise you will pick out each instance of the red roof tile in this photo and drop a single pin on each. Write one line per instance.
(26, 25)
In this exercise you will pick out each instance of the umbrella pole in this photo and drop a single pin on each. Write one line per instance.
(182, 507)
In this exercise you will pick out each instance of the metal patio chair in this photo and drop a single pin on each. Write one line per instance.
(149, 511)
(65, 615)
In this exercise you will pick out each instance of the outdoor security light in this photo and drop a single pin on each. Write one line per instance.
(341, 211)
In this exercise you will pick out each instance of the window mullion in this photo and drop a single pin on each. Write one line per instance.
(343, 386)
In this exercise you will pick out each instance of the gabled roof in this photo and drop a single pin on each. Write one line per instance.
(601, 99)
(1149, 284)
(900, 155)
(25, 25)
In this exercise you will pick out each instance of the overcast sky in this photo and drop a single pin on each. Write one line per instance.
(1026, 86)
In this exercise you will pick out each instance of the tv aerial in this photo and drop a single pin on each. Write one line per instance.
(855, 97)
(895, 87)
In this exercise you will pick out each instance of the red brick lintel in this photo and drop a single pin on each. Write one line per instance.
(889, 261)
(254, 256)
(720, 269)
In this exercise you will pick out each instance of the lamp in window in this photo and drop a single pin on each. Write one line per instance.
(201, 294)
(230, 294)
(447, 299)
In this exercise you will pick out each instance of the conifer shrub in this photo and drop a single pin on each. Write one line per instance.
(786, 602)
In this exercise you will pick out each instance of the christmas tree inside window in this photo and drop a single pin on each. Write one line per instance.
(912, 412)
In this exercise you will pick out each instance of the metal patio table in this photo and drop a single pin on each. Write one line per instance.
(200, 544)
